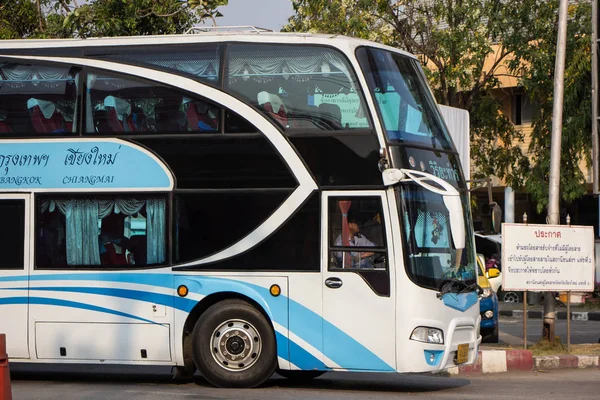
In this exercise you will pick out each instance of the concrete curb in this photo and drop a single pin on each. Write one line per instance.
(575, 315)
(493, 361)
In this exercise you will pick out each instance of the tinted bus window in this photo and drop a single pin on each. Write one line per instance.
(37, 100)
(119, 104)
(406, 107)
(201, 62)
(298, 87)
(101, 232)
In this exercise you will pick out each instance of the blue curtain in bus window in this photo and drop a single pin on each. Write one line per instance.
(156, 230)
(82, 224)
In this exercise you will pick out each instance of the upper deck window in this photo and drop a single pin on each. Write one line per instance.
(200, 61)
(37, 100)
(299, 87)
(405, 104)
(118, 104)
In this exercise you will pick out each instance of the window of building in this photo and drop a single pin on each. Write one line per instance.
(298, 87)
(356, 233)
(122, 105)
(37, 100)
(12, 235)
(120, 231)
(522, 109)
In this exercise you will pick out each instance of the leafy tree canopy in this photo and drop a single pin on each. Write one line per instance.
(538, 80)
(20, 19)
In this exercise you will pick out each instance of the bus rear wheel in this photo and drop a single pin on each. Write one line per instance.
(234, 345)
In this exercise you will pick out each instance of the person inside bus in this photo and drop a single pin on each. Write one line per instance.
(359, 259)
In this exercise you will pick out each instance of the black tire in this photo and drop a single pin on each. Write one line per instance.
(490, 336)
(187, 370)
(299, 376)
(246, 329)
(510, 296)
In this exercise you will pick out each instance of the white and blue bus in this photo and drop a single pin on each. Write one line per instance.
(232, 203)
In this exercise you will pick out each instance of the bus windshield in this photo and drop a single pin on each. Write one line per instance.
(406, 107)
(431, 256)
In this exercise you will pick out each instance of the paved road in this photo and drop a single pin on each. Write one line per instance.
(511, 331)
(557, 384)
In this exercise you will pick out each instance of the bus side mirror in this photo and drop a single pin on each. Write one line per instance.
(493, 273)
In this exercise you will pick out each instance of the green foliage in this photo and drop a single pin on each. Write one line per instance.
(18, 19)
(72, 18)
(538, 80)
(453, 39)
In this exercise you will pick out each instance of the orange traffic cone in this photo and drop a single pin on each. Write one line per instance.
(5, 390)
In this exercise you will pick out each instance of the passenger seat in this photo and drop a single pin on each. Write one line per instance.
(271, 102)
(201, 116)
(332, 113)
(45, 117)
(4, 127)
(118, 114)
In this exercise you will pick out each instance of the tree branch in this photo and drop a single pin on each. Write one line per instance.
(41, 19)
(64, 6)
(152, 12)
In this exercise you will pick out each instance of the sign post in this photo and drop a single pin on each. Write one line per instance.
(548, 258)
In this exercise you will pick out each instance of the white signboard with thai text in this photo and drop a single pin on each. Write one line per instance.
(548, 257)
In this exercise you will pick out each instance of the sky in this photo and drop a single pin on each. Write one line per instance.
(270, 14)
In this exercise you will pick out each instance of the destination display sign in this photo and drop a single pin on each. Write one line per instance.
(80, 164)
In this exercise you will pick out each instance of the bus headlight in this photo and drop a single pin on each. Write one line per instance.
(487, 292)
(427, 335)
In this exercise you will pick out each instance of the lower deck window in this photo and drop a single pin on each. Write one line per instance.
(111, 232)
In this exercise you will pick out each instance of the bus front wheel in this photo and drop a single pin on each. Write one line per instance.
(234, 345)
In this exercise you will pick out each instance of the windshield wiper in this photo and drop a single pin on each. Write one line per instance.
(472, 286)
(451, 286)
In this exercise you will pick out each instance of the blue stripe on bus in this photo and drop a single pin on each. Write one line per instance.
(347, 349)
(306, 324)
(158, 298)
(160, 280)
(70, 304)
(297, 355)
(303, 359)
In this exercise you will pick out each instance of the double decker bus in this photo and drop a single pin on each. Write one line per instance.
(231, 203)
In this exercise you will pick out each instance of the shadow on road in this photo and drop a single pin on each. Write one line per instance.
(374, 382)
(331, 381)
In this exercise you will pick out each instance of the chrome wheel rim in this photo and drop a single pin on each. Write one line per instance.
(236, 345)
(511, 297)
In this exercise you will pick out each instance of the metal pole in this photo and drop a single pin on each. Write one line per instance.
(569, 321)
(595, 168)
(525, 303)
(557, 116)
(525, 320)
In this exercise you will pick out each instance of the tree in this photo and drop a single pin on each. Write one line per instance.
(455, 40)
(538, 80)
(69, 18)
(18, 19)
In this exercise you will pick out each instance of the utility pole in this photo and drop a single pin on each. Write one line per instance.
(555, 151)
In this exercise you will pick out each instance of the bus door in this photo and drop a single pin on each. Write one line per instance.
(14, 272)
(359, 327)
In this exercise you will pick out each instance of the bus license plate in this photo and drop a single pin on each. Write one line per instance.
(462, 354)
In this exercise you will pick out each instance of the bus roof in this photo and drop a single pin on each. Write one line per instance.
(339, 41)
